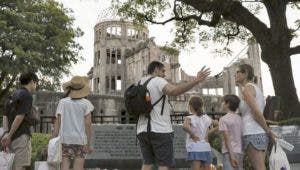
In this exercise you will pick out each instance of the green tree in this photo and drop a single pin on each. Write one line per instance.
(36, 35)
(230, 20)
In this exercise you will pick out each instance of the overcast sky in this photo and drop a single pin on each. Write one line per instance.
(86, 14)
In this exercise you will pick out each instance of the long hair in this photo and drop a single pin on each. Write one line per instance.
(248, 69)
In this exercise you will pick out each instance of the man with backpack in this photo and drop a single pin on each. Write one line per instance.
(154, 131)
(17, 132)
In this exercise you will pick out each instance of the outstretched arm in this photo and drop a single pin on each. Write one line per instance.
(175, 90)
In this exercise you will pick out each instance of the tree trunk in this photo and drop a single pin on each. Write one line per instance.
(284, 87)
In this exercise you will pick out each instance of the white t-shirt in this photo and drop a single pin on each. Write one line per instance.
(72, 128)
(199, 127)
(159, 123)
(250, 125)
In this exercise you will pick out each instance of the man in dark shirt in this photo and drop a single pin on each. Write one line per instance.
(17, 131)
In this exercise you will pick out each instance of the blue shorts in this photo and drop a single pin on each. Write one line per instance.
(258, 141)
(204, 157)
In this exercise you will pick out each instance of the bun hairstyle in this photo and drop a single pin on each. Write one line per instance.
(248, 69)
(196, 102)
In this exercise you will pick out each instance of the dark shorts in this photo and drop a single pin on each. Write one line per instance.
(73, 151)
(157, 147)
(258, 141)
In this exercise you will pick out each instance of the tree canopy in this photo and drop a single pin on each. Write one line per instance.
(228, 20)
(36, 35)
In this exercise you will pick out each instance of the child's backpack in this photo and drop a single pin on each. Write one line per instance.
(138, 100)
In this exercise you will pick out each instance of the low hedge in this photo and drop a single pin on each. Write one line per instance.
(39, 143)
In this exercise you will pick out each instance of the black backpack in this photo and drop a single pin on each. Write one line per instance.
(138, 100)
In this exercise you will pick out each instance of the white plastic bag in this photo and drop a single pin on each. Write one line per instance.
(278, 159)
(6, 160)
(43, 165)
(54, 150)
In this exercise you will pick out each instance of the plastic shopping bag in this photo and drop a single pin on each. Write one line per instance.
(278, 159)
(54, 150)
(43, 165)
(6, 160)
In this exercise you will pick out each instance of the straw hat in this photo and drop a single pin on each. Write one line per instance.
(79, 87)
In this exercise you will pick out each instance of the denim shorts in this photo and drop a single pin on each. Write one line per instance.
(157, 147)
(227, 162)
(204, 157)
(258, 141)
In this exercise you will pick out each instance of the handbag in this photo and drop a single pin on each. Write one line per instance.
(54, 150)
(278, 159)
(6, 160)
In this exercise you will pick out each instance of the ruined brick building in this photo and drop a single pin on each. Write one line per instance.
(122, 52)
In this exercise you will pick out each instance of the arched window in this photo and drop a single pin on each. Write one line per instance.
(113, 31)
(132, 33)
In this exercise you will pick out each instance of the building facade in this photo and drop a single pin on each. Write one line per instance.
(122, 52)
(112, 38)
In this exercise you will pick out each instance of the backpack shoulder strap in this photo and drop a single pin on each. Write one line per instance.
(147, 81)
(163, 96)
(163, 104)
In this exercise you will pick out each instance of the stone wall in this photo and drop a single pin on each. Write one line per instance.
(113, 105)
(105, 105)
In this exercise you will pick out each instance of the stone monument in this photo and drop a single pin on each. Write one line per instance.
(116, 145)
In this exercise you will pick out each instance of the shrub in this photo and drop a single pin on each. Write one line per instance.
(215, 141)
(39, 143)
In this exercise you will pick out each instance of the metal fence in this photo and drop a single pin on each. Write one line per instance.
(46, 122)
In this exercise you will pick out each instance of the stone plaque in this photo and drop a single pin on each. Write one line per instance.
(116, 146)
(290, 134)
(115, 142)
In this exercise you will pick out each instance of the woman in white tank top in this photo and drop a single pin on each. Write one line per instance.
(256, 133)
